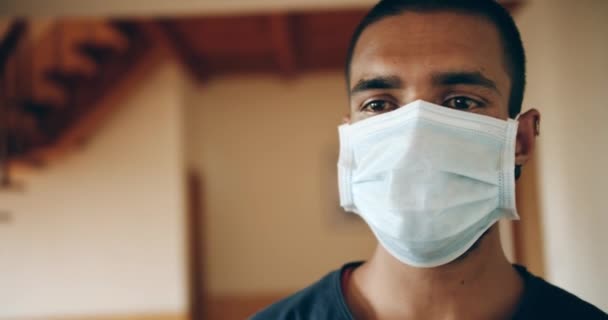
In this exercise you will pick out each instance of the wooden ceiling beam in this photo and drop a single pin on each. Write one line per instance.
(166, 33)
(282, 42)
(157, 32)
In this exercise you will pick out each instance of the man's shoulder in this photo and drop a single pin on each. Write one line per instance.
(321, 300)
(545, 300)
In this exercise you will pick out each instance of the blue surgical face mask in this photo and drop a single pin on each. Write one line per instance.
(428, 180)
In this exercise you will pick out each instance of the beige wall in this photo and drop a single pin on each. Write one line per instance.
(567, 48)
(267, 151)
(101, 231)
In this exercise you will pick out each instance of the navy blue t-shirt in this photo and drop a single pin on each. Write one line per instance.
(324, 300)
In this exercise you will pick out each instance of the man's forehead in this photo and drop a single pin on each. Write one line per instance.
(428, 42)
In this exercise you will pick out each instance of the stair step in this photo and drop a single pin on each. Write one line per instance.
(40, 110)
(100, 53)
(129, 29)
(21, 141)
(108, 35)
(68, 80)
(44, 90)
(24, 132)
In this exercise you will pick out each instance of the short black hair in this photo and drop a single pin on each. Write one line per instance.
(515, 58)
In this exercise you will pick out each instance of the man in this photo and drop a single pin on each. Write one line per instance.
(428, 158)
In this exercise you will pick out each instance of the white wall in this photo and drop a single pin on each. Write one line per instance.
(567, 46)
(101, 231)
(267, 151)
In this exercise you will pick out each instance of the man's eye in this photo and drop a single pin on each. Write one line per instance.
(379, 106)
(462, 103)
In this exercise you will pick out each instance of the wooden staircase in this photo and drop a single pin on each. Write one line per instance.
(49, 84)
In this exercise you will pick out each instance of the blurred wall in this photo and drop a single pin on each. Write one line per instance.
(567, 46)
(101, 230)
(266, 149)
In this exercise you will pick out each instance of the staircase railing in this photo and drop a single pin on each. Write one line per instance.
(16, 31)
(8, 90)
(51, 85)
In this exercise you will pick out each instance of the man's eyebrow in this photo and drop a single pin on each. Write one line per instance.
(375, 83)
(474, 78)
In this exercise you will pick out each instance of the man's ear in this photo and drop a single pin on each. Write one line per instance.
(527, 131)
(346, 119)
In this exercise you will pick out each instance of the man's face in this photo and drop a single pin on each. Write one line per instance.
(446, 58)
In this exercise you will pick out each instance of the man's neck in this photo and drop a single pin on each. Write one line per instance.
(480, 285)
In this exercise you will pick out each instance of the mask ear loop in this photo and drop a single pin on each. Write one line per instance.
(517, 171)
(517, 166)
